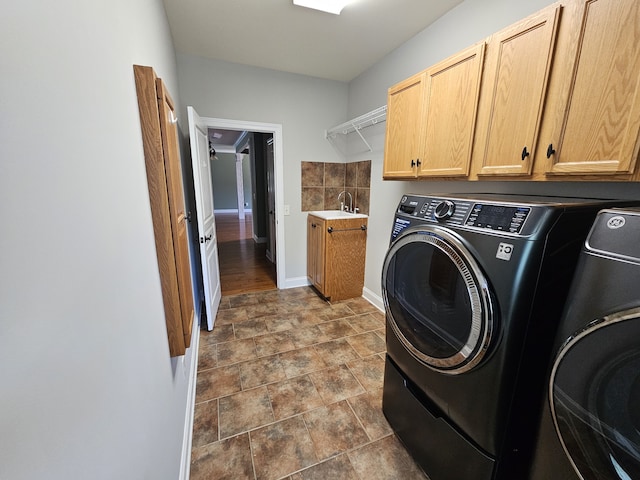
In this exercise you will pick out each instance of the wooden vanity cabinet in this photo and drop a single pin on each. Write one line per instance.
(515, 80)
(592, 117)
(336, 251)
(431, 119)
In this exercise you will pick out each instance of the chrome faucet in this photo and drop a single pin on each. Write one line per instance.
(342, 206)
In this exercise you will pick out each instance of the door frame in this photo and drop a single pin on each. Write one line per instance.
(278, 166)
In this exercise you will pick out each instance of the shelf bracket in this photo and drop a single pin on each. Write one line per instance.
(355, 125)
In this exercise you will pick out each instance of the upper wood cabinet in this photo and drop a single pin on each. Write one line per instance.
(431, 119)
(164, 179)
(593, 111)
(451, 103)
(559, 100)
(515, 83)
(404, 127)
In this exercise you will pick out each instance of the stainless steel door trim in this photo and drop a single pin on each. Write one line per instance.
(482, 310)
(595, 325)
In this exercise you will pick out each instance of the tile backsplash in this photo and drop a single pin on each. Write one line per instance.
(322, 182)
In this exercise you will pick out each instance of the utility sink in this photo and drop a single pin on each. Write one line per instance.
(336, 214)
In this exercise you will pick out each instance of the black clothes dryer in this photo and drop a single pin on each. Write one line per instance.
(473, 288)
(590, 427)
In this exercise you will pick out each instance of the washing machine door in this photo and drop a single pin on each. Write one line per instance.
(595, 398)
(437, 299)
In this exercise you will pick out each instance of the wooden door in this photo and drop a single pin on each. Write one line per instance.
(199, 141)
(597, 104)
(404, 127)
(516, 77)
(178, 217)
(451, 103)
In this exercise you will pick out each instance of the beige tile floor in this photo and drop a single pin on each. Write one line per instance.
(290, 387)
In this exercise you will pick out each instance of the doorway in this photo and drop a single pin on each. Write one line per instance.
(275, 186)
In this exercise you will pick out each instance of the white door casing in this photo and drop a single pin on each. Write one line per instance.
(271, 202)
(199, 141)
(278, 175)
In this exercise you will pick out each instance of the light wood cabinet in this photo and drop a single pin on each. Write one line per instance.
(592, 120)
(164, 178)
(431, 119)
(559, 100)
(404, 127)
(450, 108)
(336, 251)
(515, 83)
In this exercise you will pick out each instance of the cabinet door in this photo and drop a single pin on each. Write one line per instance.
(451, 101)
(315, 252)
(346, 247)
(169, 131)
(145, 80)
(597, 107)
(517, 70)
(404, 127)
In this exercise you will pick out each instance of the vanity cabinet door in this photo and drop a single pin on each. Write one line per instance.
(316, 252)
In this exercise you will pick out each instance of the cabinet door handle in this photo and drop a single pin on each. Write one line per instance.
(525, 153)
(418, 162)
(550, 150)
(413, 163)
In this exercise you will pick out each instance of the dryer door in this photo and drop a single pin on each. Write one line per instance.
(595, 398)
(437, 299)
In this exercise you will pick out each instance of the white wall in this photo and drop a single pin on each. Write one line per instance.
(304, 106)
(466, 24)
(223, 173)
(88, 388)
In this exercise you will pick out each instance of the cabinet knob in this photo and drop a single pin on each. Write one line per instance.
(550, 150)
(525, 153)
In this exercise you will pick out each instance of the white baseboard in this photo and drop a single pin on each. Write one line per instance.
(373, 299)
(295, 282)
(187, 437)
(230, 210)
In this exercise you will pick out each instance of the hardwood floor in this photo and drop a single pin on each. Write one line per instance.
(243, 263)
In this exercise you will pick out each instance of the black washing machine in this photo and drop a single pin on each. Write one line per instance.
(590, 427)
(473, 288)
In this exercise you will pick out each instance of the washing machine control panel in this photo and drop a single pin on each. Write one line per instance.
(505, 218)
(452, 211)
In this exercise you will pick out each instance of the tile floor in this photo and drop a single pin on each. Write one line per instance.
(290, 387)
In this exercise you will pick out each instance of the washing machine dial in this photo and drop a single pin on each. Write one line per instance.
(444, 210)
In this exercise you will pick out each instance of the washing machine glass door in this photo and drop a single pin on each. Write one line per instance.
(595, 398)
(437, 299)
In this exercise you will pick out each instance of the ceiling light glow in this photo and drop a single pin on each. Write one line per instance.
(329, 6)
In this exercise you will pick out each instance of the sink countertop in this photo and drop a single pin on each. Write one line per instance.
(336, 214)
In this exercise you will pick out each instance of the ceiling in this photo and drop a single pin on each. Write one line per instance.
(278, 35)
